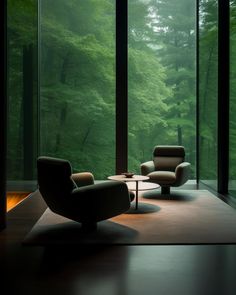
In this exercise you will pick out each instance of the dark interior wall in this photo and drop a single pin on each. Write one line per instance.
(3, 108)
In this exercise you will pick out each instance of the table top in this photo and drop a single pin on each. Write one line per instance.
(143, 186)
(133, 178)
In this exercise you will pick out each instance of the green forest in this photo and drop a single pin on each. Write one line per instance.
(76, 81)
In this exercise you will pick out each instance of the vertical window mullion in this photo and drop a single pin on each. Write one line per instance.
(223, 96)
(121, 86)
(197, 92)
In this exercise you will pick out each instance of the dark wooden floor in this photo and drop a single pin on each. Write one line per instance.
(113, 270)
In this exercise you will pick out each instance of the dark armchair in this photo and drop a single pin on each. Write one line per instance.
(76, 197)
(168, 167)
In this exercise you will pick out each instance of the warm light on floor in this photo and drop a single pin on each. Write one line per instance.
(13, 198)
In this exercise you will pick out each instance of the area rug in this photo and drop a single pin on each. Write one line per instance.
(184, 217)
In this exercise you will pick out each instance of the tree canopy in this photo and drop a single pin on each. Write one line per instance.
(77, 79)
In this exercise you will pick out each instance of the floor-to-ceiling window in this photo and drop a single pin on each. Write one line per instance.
(22, 21)
(76, 105)
(161, 78)
(208, 94)
(232, 120)
(77, 83)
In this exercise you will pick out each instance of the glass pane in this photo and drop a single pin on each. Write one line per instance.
(162, 80)
(208, 81)
(232, 121)
(77, 83)
(22, 24)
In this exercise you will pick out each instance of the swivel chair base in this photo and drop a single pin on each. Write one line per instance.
(165, 190)
(89, 226)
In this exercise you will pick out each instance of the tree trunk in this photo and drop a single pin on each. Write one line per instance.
(64, 69)
(86, 136)
(62, 121)
(207, 79)
(179, 132)
(205, 91)
(28, 113)
(63, 112)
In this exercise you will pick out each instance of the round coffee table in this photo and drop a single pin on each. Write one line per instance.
(135, 183)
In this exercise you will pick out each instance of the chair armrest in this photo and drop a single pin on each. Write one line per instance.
(83, 178)
(182, 173)
(147, 167)
(101, 200)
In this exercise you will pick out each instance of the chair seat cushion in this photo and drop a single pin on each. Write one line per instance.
(131, 196)
(162, 177)
(83, 178)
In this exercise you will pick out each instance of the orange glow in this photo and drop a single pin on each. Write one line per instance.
(13, 198)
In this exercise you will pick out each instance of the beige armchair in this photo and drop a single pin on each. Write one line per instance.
(168, 167)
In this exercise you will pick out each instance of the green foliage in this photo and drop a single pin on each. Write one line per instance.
(208, 64)
(165, 32)
(22, 33)
(22, 22)
(78, 83)
(77, 79)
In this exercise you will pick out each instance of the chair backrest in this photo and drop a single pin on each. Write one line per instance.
(54, 181)
(166, 157)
